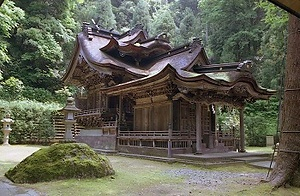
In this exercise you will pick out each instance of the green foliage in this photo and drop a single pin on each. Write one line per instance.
(10, 16)
(124, 15)
(96, 10)
(35, 61)
(141, 14)
(33, 120)
(107, 17)
(275, 17)
(11, 89)
(270, 64)
(37, 44)
(241, 45)
(261, 120)
(187, 27)
(191, 4)
(227, 118)
(62, 94)
(37, 94)
(233, 27)
(42, 48)
(163, 21)
(61, 161)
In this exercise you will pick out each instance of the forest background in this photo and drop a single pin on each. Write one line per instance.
(37, 39)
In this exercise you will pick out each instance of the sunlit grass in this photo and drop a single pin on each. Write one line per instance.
(128, 180)
(268, 149)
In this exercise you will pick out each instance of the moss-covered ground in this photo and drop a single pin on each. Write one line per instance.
(143, 177)
(61, 161)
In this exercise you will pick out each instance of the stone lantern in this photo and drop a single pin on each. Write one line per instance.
(7, 121)
(69, 112)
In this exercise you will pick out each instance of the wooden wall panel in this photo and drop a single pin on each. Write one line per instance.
(152, 117)
(161, 117)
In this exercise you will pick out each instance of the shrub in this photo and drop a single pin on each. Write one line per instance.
(33, 120)
(260, 121)
(11, 89)
(37, 94)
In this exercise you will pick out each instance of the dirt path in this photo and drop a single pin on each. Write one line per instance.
(16, 153)
(9, 156)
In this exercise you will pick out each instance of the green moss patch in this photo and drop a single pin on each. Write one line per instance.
(61, 161)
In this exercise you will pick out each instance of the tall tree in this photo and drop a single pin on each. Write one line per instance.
(10, 16)
(270, 60)
(100, 11)
(36, 46)
(192, 4)
(124, 15)
(287, 169)
(141, 14)
(187, 27)
(163, 22)
(234, 30)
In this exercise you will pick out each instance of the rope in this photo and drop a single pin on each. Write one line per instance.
(289, 151)
(276, 148)
(292, 89)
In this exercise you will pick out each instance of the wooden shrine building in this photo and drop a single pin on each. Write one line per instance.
(140, 95)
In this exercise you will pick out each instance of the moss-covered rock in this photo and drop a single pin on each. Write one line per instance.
(61, 161)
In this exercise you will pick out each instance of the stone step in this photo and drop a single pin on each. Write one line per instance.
(154, 158)
(207, 163)
(252, 159)
(263, 164)
(180, 160)
(224, 157)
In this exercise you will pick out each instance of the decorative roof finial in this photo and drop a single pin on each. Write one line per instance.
(196, 42)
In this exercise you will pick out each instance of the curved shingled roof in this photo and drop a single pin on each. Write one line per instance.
(151, 59)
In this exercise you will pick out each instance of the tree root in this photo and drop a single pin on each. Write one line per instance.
(284, 170)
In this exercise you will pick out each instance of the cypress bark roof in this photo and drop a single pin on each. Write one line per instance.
(144, 60)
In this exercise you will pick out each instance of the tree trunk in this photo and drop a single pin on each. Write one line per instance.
(288, 162)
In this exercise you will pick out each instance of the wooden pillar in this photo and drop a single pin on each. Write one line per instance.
(198, 129)
(171, 117)
(106, 102)
(118, 121)
(211, 128)
(216, 142)
(242, 131)
(151, 118)
(170, 142)
(120, 111)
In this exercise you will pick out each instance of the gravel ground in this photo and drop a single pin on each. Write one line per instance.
(212, 179)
